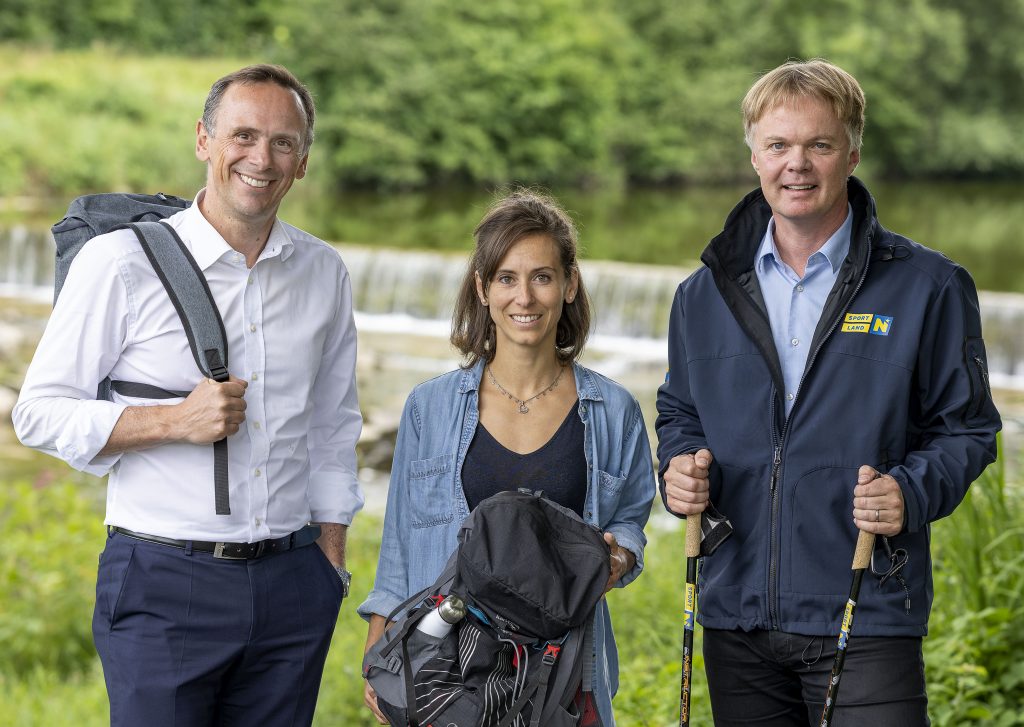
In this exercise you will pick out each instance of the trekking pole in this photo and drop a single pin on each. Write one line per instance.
(861, 561)
(690, 614)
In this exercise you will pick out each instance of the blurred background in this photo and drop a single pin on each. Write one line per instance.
(629, 114)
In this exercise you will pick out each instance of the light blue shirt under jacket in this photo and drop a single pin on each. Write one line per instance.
(795, 303)
(426, 505)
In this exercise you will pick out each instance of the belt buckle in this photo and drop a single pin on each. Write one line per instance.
(218, 552)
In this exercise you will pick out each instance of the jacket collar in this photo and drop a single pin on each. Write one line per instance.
(730, 257)
(733, 250)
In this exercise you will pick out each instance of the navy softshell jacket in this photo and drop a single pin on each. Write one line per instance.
(896, 378)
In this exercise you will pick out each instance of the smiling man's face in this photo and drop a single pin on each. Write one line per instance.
(802, 154)
(254, 152)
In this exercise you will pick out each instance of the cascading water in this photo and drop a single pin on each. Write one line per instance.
(403, 291)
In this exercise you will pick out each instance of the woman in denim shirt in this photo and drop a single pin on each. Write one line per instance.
(520, 413)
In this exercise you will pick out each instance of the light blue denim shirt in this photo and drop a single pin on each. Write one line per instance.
(795, 303)
(426, 505)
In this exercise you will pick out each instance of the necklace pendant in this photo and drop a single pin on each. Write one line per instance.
(523, 408)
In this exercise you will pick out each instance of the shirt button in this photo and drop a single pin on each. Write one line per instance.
(789, 397)
(258, 473)
(799, 288)
(258, 521)
(252, 327)
(795, 342)
(255, 376)
(249, 281)
(256, 425)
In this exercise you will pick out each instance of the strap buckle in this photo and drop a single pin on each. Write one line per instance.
(551, 653)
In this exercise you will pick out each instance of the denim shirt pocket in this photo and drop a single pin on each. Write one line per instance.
(430, 491)
(609, 493)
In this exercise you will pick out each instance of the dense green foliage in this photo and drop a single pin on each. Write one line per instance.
(49, 674)
(414, 93)
(81, 121)
(973, 658)
(93, 121)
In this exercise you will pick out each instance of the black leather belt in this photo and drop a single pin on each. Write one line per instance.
(232, 551)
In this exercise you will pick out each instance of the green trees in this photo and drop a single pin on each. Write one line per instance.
(416, 93)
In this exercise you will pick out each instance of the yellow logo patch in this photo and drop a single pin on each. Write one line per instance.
(872, 323)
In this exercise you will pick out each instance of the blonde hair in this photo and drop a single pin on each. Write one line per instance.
(816, 78)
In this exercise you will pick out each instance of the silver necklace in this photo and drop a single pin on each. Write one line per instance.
(523, 408)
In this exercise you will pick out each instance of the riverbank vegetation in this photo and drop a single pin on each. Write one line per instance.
(49, 673)
(420, 93)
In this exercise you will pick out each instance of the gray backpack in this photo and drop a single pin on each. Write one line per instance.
(97, 214)
(530, 573)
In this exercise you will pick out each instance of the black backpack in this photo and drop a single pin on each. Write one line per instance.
(531, 574)
(97, 214)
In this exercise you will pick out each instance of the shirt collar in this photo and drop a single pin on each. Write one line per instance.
(835, 248)
(207, 246)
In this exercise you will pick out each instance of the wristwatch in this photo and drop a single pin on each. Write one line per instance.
(346, 579)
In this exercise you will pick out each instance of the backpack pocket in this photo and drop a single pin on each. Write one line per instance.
(386, 666)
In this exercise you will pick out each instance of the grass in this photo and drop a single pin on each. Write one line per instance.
(49, 674)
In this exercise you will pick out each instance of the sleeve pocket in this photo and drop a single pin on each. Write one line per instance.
(977, 373)
(430, 491)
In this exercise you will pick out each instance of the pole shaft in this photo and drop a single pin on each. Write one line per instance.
(861, 560)
(690, 615)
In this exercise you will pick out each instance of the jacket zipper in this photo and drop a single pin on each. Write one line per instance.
(773, 548)
(780, 443)
(986, 387)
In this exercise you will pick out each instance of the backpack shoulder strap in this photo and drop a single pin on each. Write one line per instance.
(191, 297)
(189, 293)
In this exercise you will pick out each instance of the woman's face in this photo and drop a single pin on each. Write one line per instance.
(526, 294)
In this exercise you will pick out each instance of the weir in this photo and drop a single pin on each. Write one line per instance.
(413, 292)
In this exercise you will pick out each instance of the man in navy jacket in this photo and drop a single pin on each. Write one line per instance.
(826, 376)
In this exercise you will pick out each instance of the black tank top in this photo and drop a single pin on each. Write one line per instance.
(559, 468)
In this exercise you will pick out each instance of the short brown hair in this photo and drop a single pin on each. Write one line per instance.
(816, 78)
(513, 217)
(261, 73)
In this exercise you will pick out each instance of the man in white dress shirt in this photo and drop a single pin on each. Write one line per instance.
(200, 618)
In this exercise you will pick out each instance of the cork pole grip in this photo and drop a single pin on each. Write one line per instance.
(862, 555)
(693, 535)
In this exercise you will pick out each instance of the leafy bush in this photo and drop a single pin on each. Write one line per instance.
(52, 537)
(973, 665)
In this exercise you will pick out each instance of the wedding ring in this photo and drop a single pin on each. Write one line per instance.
(876, 516)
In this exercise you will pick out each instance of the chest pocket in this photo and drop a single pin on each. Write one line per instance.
(430, 491)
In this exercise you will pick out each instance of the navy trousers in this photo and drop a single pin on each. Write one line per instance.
(187, 639)
(777, 679)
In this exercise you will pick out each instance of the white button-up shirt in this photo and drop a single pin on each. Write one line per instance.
(290, 334)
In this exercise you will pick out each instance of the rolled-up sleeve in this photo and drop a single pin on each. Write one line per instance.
(334, 492)
(391, 583)
(630, 517)
(57, 411)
